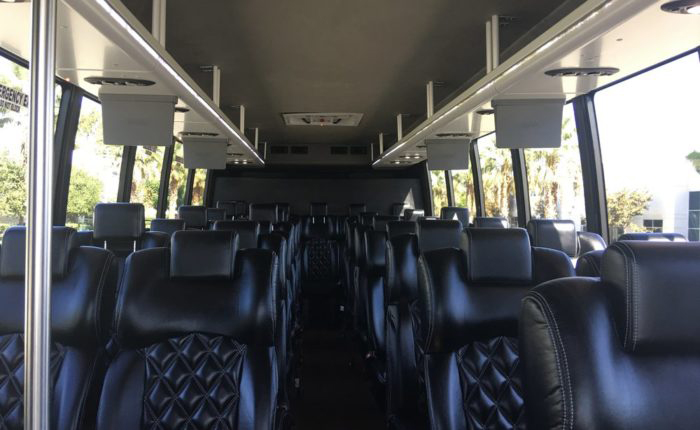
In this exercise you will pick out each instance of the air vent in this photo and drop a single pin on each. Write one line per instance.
(485, 112)
(685, 7)
(198, 134)
(299, 150)
(118, 82)
(582, 71)
(339, 150)
(278, 149)
(454, 135)
(358, 150)
(323, 119)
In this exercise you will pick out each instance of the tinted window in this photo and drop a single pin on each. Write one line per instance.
(439, 190)
(649, 132)
(177, 182)
(554, 178)
(94, 175)
(146, 178)
(463, 186)
(498, 179)
(200, 179)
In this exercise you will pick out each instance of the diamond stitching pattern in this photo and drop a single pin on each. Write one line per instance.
(320, 260)
(192, 382)
(491, 385)
(12, 378)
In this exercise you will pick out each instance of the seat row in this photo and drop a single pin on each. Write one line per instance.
(189, 338)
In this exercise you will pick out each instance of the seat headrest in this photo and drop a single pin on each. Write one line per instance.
(248, 231)
(203, 254)
(436, 234)
(414, 214)
(397, 208)
(589, 241)
(490, 222)
(355, 209)
(283, 210)
(452, 312)
(401, 280)
(318, 209)
(229, 207)
(657, 291)
(154, 306)
(381, 221)
(168, 226)
(263, 212)
(654, 237)
(501, 256)
(374, 248)
(277, 243)
(320, 229)
(194, 216)
(12, 257)
(216, 214)
(556, 234)
(453, 212)
(396, 228)
(118, 221)
(367, 218)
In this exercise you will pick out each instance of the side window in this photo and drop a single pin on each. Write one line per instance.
(648, 127)
(178, 180)
(499, 181)
(439, 190)
(148, 165)
(94, 176)
(554, 178)
(463, 186)
(14, 140)
(200, 179)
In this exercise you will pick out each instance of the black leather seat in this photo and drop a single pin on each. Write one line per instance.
(556, 234)
(413, 214)
(195, 217)
(403, 406)
(453, 212)
(367, 218)
(205, 355)
(654, 237)
(371, 295)
(396, 228)
(266, 214)
(468, 307)
(82, 300)
(355, 209)
(589, 264)
(283, 212)
(381, 221)
(215, 214)
(589, 241)
(490, 222)
(235, 209)
(167, 226)
(320, 259)
(619, 352)
(248, 231)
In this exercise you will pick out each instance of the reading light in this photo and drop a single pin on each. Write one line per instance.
(685, 7)
(121, 22)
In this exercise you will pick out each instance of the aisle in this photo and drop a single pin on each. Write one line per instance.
(335, 396)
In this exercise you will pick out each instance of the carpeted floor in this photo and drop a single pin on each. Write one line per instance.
(335, 396)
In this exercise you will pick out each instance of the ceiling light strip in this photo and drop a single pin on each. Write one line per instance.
(116, 18)
(586, 23)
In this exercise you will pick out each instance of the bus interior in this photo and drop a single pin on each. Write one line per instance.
(442, 215)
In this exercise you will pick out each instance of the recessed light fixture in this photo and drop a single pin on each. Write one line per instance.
(582, 71)
(685, 7)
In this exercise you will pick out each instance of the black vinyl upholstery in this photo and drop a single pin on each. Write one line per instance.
(83, 288)
(215, 214)
(195, 217)
(120, 227)
(456, 213)
(381, 221)
(435, 234)
(490, 222)
(248, 231)
(555, 234)
(589, 241)
(468, 307)
(589, 264)
(397, 228)
(204, 357)
(619, 352)
(234, 209)
(167, 226)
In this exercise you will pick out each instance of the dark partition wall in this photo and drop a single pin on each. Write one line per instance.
(378, 190)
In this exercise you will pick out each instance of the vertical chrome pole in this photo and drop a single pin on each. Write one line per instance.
(39, 195)
(159, 16)
(241, 120)
(489, 50)
(429, 99)
(399, 128)
(495, 41)
(381, 143)
(257, 136)
(216, 85)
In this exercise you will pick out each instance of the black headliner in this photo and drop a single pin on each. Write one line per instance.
(367, 56)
